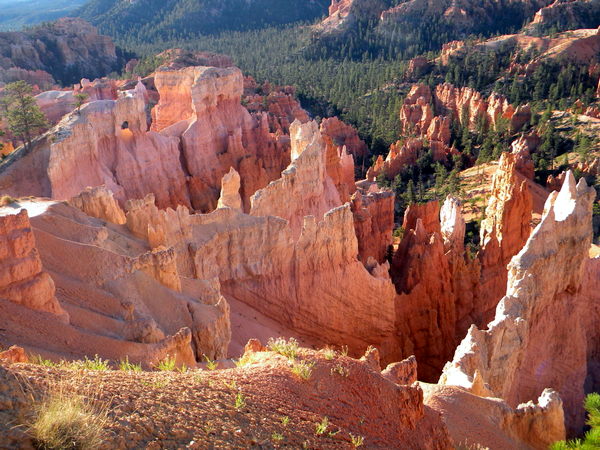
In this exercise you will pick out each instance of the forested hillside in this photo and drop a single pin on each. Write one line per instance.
(16, 14)
(159, 20)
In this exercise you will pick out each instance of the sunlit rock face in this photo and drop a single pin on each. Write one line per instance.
(202, 106)
(504, 231)
(106, 143)
(24, 281)
(525, 348)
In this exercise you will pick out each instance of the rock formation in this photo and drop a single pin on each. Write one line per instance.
(468, 104)
(122, 297)
(463, 15)
(400, 156)
(373, 211)
(525, 349)
(287, 267)
(201, 105)
(573, 14)
(106, 143)
(345, 13)
(425, 306)
(55, 104)
(24, 281)
(504, 231)
(278, 102)
(419, 123)
(230, 191)
(68, 49)
(339, 134)
(492, 423)
(523, 147)
(99, 202)
(305, 188)
(441, 291)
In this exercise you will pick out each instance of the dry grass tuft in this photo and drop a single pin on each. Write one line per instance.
(64, 419)
(7, 200)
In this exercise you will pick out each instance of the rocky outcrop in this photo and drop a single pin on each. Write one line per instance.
(201, 106)
(106, 143)
(422, 128)
(461, 15)
(566, 15)
(230, 191)
(417, 112)
(417, 67)
(14, 354)
(122, 297)
(523, 147)
(503, 233)
(340, 168)
(68, 49)
(99, 202)
(577, 46)
(425, 304)
(99, 89)
(401, 155)
(39, 78)
(343, 14)
(468, 104)
(201, 130)
(259, 262)
(492, 423)
(288, 267)
(373, 211)
(305, 187)
(278, 102)
(525, 349)
(337, 133)
(55, 104)
(24, 281)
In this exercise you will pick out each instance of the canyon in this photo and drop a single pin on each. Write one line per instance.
(234, 263)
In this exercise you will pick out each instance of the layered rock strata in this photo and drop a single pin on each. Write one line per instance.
(24, 281)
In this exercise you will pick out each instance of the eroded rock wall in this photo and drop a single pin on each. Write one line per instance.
(525, 348)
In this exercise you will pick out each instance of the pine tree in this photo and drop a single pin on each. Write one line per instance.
(22, 113)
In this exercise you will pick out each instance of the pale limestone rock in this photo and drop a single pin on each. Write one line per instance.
(452, 225)
(504, 230)
(99, 202)
(486, 422)
(230, 191)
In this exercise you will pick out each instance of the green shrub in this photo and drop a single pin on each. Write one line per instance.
(288, 348)
(302, 369)
(591, 439)
(125, 365)
(167, 364)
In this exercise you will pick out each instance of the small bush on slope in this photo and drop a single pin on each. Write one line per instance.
(591, 440)
(63, 419)
(288, 348)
